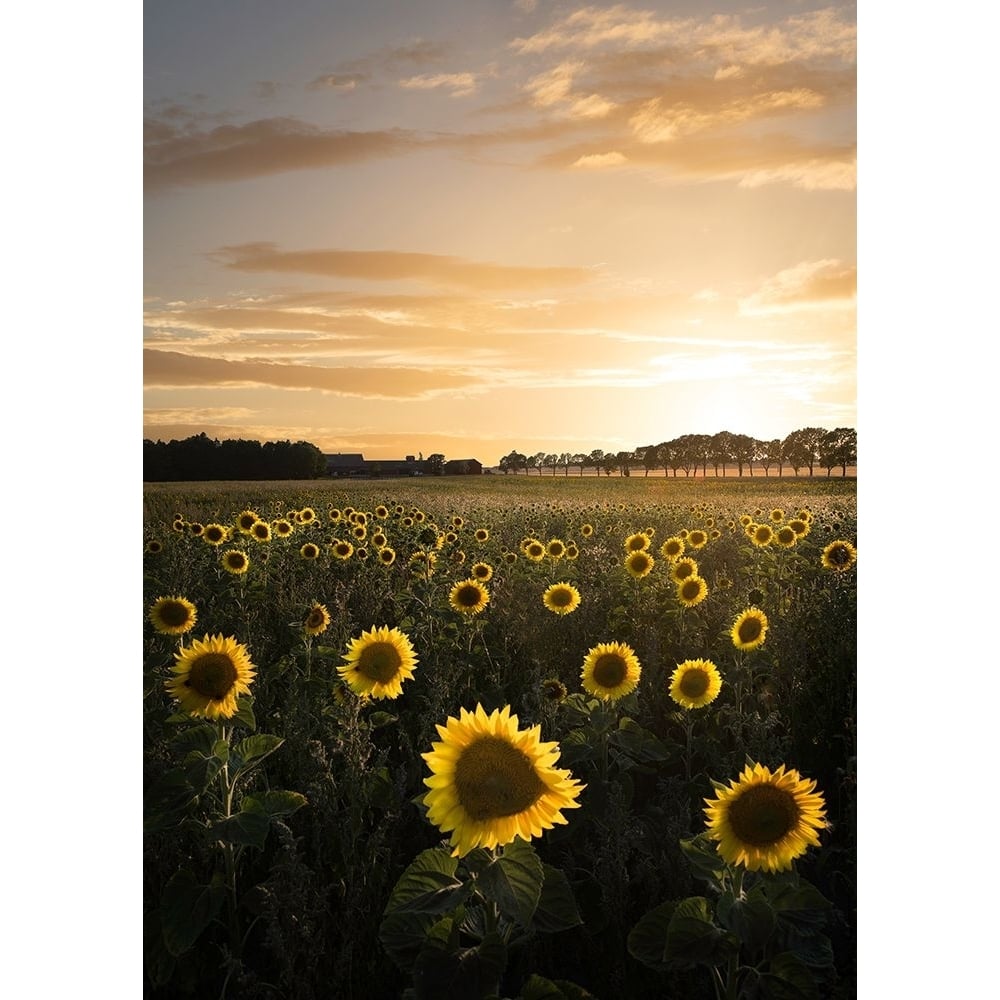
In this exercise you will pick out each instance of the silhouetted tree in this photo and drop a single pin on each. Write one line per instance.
(435, 464)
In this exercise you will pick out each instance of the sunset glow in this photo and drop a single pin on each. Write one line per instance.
(466, 226)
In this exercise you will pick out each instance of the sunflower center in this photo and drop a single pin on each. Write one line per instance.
(839, 555)
(694, 683)
(174, 614)
(690, 589)
(494, 779)
(314, 619)
(380, 661)
(750, 629)
(235, 560)
(561, 598)
(468, 596)
(610, 670)
(763, 814)
(684, 571)
(212, 675)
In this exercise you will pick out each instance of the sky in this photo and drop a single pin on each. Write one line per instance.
(470, 226)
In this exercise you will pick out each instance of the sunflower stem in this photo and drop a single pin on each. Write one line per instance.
(229, 857)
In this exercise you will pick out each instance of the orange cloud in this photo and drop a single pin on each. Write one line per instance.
(812, 284)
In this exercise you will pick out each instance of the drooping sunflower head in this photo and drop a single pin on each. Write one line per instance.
(682, 569)
(215, 534)
(209, 675)
(692, 591)
(483, 572)
(342, 549)
(555, 548)
(247, 520)
(173, 615)
(377, 663)
(561, 598)
(672, 548)
(697, 538)
(386, 556)
(763, 535)
(695, 683)
(553, 689)
(637, 542)
(469, 597)
(611, 670)
(639, 563)
(317, 619)
(234, 561)
(309, 551)
(839, 556)
(767, 819)
(491, 782)
(750, 629)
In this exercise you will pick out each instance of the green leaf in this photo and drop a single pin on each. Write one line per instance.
(256, 748)
(421, 877)
(186, 909)
(706, 861)
(465, 974)
(201, 770)
(244, 712)
(647, 941)
(514, 881)
(640, 744)
(787, 978)
(248, 828)
(201, 738)
(752, 919)
(221, 750)
(556, 909)
(576, 746)
(275, 803)
(378, 719)
(380, 788)
(693, 938)
(539, 988)
(801, 903)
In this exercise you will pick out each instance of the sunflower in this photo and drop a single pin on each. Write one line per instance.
(553, 689)
(639, 563)
(316, 620)
(777, 515)
(173, 615)
(638, 542)
(283, 527)
(692, 591)
(234, 561)
(483, 572)
(534, 550)
(342, 549)
(378, 662)
(458, 523)
(386, 556)
(746, 520)
(179, 526)
(261, 531)
(247, 520)
(306, 516)
(457, 557)
(785, 536)
(154, 547)
(469, 597)
(334, 515)
(611, 670)
(482, 535)
(209, 675)
(407, 522)
(510, 558)
(379, 540)
(561, 598)
(419, 516)
(586, 530)
(422, 564)
(695, 683)
(672, 548)
(215, 534)
(839, 556)
(309, 551)
(800, 526)
(697, 539)
(750, 629)
(491, 782)
(762, 536)
(682, 569)
(381, 512)
(572, 551)
(766, 819)
(555, 548)
(196, 528)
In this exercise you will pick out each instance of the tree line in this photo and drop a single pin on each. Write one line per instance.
(808, 448)
(201, 457)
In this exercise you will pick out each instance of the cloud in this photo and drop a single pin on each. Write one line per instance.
(196, 414)
(170, 369)
(337, 81)
(816, 284)
(391, 265)
(600, 160)
(460, 84)
(259, 148)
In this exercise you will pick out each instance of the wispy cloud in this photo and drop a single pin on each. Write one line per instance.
(459, 84)
(817, 284)
(391, 265)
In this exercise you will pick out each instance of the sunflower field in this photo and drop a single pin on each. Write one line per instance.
(500, 738)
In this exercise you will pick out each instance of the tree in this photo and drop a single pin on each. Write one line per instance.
(839, 447)
(553, 461)
(721, 449)
(580, 461)
(609, 463)
(769, 453)
(624, 460)
(597, 459)
(435, 464)
(744, 450)
(565, 460)
(539, 461)
(650, 457)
